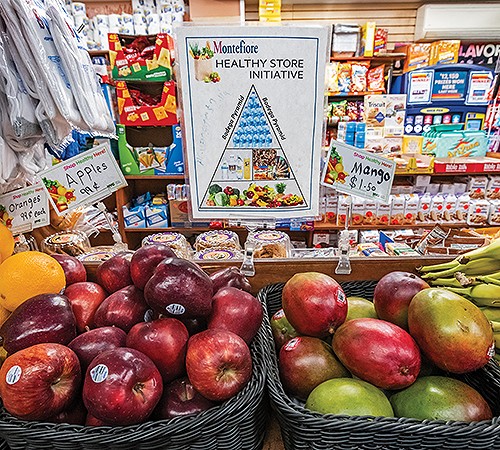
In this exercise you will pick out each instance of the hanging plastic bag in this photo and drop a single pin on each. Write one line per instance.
(77, 65)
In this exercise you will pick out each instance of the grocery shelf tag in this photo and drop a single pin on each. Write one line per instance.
(82, 180)
(25, 209)
(357, 172)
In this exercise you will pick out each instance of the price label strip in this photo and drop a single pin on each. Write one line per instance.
(357, 172)
(25, 209)
(82, 180)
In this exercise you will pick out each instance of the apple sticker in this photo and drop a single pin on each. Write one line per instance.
(175, 309)
(291, 344)
(99, 373)
(13, 375)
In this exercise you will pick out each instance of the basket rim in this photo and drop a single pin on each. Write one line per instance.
(283, 405)
(243, 403)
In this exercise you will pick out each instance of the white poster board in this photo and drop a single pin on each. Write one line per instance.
(253, 105)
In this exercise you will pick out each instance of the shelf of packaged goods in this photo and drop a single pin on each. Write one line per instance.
(165, 230)
(352, 94)
(377, 58)
(155, 177)
(331, 227)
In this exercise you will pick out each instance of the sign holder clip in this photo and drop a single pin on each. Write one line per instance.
(344, 264)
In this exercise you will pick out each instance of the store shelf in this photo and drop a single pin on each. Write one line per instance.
(378, 58)
(98, 53)
(164, 230)
(354, 94)
(331, 227)
(155, 177)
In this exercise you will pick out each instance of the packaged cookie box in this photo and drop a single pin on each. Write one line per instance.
(397, 209)
(437, 208)
(450, 206)
(357, 210)
(494, 213)
(412, 203)
(344, 203)
(383, 214)
(424, 209)
(478, 212)
(462, 208)
(493, 188)
(476, 186)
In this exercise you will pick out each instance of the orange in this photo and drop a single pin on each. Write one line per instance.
(6, 242)
(4, 315)
(27, 274)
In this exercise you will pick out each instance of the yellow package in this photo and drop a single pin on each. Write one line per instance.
(368, 39)
(417, 56)
(444, 52)
(412, 144)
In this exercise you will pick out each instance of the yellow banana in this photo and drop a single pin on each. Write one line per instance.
(489, 251)
(483, 266)
(439, 267)
(495, 326)
(448, 282)
(485, 295)
(496, 337)
(491, 313)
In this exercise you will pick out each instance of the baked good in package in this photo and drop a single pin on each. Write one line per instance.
(100, 254)
(219, 254)
(224, 239)
(176, 241)
(73, 243)
(270, 244)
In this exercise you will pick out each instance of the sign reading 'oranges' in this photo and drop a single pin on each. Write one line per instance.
(25, 209)
(82, 180)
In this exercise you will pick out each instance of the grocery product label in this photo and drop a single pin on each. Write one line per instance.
(251, 152)
(175, 309)
(292, 344)
(99, 373)
(13, 375)
(279, 314)
(148, 315)
(25, 209)
(341, 297)
(358, 172)
(82, 180)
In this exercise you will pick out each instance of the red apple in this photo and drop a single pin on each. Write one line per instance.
(85, 298)
(94, 342)
(145, 260)
(230, 277)
(194, 326)
(165, 342)
(179, 288)
(180, 398)
(114, 273)
(314, 304)
(74, 270)
(40, 381)
(74, 414)
(122, 387)
(218, 364)
(393, 295)
(122, 309)
(237, 311)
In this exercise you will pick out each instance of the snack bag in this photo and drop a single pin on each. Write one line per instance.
(352, 111)
(380, 45)
(344, 77)
(358, 76)
(375, 80)
(332, 78)
(338, 110)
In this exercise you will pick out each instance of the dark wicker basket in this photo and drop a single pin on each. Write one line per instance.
(238, 424)
(303, 429)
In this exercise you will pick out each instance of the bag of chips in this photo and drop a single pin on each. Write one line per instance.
(376, 80)
(344, 77)
(358, 76)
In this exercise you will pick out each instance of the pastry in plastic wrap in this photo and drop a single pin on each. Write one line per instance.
(100, 254)
(217, 239)
(218, 254)
(176, 241)
(270, 244)
(73, 243)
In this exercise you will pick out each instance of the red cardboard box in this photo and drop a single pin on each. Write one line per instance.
(134, 112)
(141, 58)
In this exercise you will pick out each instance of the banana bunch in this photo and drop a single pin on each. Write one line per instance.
(476, 276)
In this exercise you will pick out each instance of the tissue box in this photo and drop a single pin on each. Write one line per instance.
(140, 58)
(160, 114)
(167, 157)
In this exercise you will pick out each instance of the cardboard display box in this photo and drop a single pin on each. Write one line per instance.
(141, 58)
(150, 150)
(133, 113)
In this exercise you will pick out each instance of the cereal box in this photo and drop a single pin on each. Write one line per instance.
(375, 111)
(380, 45)
(368, 39)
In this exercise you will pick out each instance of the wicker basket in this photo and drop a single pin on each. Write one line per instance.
(238, 424)
(302, 429)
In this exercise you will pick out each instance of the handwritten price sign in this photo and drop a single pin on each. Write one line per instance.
(83, 180)
(25, 209)
(358, 172)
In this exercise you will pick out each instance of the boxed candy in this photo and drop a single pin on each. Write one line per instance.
(140, 58)
(146, 104)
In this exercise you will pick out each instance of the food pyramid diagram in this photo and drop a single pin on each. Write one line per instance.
(253, 170)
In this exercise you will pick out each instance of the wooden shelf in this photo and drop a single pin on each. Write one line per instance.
(378, 58)
(354, 94)
(165, 230)
(331, 227)
(155, 177)
(98, 53)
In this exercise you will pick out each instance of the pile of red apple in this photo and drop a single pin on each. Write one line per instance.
(155, 338)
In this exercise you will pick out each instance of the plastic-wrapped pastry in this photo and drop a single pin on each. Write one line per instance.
(73, 243)
(100, 254)
(218, 254)
(176, 241)
(270, 244)
(217, 239)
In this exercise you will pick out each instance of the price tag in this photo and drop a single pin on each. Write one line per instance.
(25, 209)
(83, 180)
(357, 172)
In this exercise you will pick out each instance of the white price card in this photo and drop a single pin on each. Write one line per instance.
(83, 180)
(25, 209)
(357, 172)
(253, 100)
